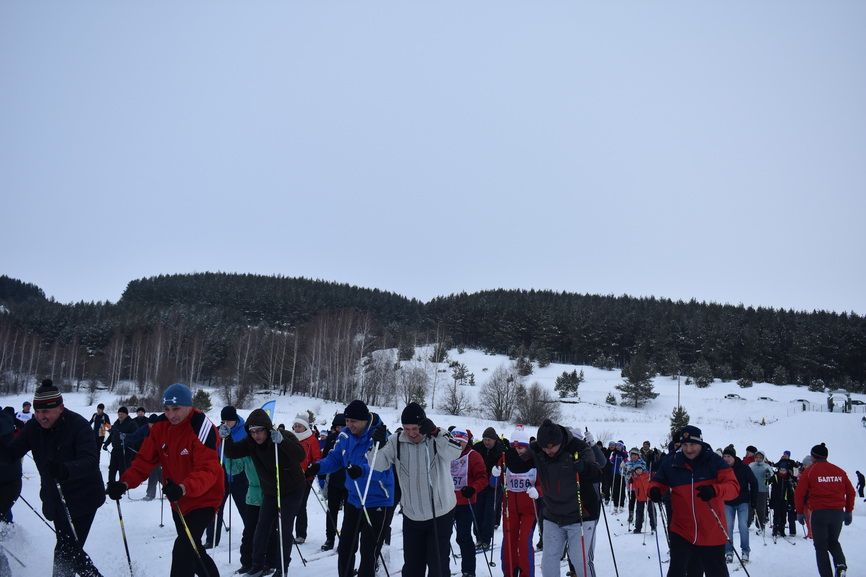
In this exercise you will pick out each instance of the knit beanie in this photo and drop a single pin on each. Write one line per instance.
(47, 396)
(729, 450)
(549, 433)
(690, 433)
(460, 434)
(413, 414)
(339, 420)
(490, 433)
(751, 449)
(178, 395)
(357, 410)
(634, 451)
(152, 418)
(820, 451)
(123, 410)
(229, 413)
(807, 460)
(520, 437)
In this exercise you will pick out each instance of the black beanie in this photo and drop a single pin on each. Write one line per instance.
(549, 434)
(229, 413)
(490, 433)
(357, 410)
(751, 449)
(339, 420)
(820, 451)
(413, 414)
(152, 418)
(729, 450)
(123, 410)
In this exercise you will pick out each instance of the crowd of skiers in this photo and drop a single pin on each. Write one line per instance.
(443, 482)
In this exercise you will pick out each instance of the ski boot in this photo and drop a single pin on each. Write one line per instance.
(729, 557)
(841, 570)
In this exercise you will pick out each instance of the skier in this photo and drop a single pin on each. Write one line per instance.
(830, 495)
(807, 510)
(617, 459)
(184, 442)
(782, 502)
(739, 506)
(100, 422)
(423, 455)
(140, 418)
(567, 472)
(121, 455)
(861, 482)
(10, 473)
(63, 450)
(469, 476)
(762, 472)
(25, 415)
(699, 482)
(368, 504)
(607, 472)
(312, 453)
(751, 450)
(236, 485)
(634, 461)
(520, 490)
(333, 484)
(134, 440)
(259, 445)
(252, 507)
(490, 447)
(640, 482)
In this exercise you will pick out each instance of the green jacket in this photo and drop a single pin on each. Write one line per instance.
(246, 465)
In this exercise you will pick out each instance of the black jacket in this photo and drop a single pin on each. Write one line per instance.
(559, 480)
(491, 456)
(70, 442)
(336, 479)
(126, 427)
(748, 483)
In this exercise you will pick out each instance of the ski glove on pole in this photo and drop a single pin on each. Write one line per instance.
(173, 492)
(467, 491)
(224, 431)
(312, 469)
(115, 490)
(706, 492)
(380, 435)
(276, 437)
(427, 428)
(354, 471)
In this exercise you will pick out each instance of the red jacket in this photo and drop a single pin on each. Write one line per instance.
(691, 517)
(188, 455)
(312, 452)
(468, 470)
(824, 486)
(640, 484)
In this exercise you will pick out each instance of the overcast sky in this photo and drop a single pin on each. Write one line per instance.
(708, 150)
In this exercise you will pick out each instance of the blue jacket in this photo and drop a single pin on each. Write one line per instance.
(351, 449)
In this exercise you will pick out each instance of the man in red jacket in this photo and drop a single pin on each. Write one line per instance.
(699, 482)
(826, 490)
(184, 442)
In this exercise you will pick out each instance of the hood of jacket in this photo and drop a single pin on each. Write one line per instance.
(258, 418)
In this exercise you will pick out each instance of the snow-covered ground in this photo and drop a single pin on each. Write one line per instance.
(723, 421)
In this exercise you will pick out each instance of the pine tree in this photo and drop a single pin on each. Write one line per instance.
(702, 374)
(406, 351)
(638, 385)
(610, 399)
(679, 419)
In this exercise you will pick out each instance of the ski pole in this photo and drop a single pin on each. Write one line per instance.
(280, 512)
(26, 502)
(433, 509)
(363, 499)
(218, 515)
(230, 523)
(734, 549)
(658, 549)
(475, 520)
(11, 554)
(506, 525)
(161, 507)
(66, 509)
(123, 533)
(328, 517)
(580, 518)
(609, 540)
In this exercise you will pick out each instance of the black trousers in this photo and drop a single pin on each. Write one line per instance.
(357, 531)
(69, 555)
(688, 559)
(638, 520)
(826, 527)
(425, 545)
(118, 463)
(251, 520)
(186, 561)
(484, 509)
(336, 498)
(618, 490)
(301, 518)
(289, 504)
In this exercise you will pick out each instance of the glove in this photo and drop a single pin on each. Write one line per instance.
(354, 471)
(104, 447)
(313, 469)
(587, 436)
(848, 518)
(655, 495)
(380, 436)
(276, 437)
(801, 519)
(58, 470)
(532, 493)
(706, 492)
(115, 490)
(428, 428)
(467, 492)
(224, 431)
(172, 491)
(496, 471)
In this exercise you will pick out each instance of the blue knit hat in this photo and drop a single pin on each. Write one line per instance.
(177, 394)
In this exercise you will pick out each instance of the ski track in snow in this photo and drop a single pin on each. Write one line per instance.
(723, 421)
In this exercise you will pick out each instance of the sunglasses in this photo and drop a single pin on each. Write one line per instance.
(257, 429)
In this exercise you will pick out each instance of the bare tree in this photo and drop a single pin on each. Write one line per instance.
(412, 385)
(456, 402)
(499, 394)
(534, 404)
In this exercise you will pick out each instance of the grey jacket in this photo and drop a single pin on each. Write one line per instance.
(412, 472)
(762, 472)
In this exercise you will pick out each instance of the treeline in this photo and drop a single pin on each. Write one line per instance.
(249, 332)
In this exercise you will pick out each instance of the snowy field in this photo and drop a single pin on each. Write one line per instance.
(723, 421)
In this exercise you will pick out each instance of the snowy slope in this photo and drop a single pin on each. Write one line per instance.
(723, 421)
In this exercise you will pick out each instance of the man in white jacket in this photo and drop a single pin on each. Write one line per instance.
(422, 454)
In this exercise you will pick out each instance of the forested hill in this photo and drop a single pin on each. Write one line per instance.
(268, 331)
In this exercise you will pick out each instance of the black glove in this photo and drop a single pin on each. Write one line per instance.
(380, 436)
(104, 447)
(313, 469)
(427, 428)
(706, 492)
(115, 490)
(467, 491)
(172, 491)
(58, 470)
(655, 495)
(354, 471)
(848, 517)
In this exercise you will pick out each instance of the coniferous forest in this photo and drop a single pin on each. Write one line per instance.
(243, 333)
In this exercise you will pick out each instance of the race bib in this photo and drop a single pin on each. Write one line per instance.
(460, 472)
(520, 482)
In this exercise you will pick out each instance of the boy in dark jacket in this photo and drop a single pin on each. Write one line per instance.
(490, 447)
(121, 453)
(66, 457)
(782, 502)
